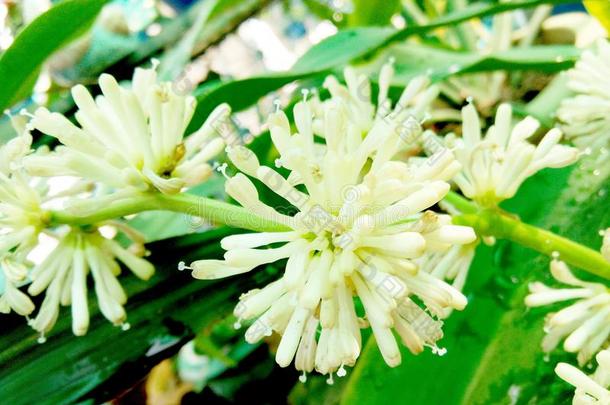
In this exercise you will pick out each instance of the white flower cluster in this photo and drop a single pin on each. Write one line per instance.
(131, 138)
(63, 275)
(361, 222)
(452, 264)
(591, 389)
(21, 220)
(584, 324)
(495, 165)
(586, 116)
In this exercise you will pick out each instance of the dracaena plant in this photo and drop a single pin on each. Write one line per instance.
(370, 211)
(363, 230)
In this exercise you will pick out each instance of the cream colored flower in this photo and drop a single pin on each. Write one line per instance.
(363, 112)
(591, 389)
(584, 325)
(63, 275)
(359, 226)
(21, 197)
(451, 265)
(585, 117)
(496, 164)
(131, 138)
(21, 220)
(12, 298)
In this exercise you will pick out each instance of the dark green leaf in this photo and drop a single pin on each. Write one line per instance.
(20, 64)
(163, 313)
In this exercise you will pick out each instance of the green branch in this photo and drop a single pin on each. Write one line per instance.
(461, 203)
(491, 222)
(486, 222)
(188, 204)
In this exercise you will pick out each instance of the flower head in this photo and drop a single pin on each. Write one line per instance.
(591, 389)
(359, 225)
(21, 197)
(495, 165)
(584, 324)
(585, 116)
(21, 220)
(63, 275)
(131, 138)
(360, 108)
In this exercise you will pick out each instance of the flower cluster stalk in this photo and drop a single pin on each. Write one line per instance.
(212, 210)
(486, 222)
(492, 222)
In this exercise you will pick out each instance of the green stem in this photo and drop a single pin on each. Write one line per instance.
(212, 210)
(486, 222)
(461, 203)
(495, 223)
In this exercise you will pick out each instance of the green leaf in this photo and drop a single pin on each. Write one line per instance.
(416, 59)
(544, 105)
(321, 9)
(20, 64)
(334, 52)
(494, 344)
(518, 340)
(164, 313)
(343, 47)
(368, 12)
(417, 379)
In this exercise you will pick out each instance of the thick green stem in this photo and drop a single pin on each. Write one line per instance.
(486, 222)
(463, 204)
(495, 223)
(212, 210)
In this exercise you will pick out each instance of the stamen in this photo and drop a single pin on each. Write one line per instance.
(305, 93)
(222, 169)
(303, 377)
(277, 103)
(154, 62)
(439, 351)
(237, 324)
(42, 339)
(182, 266)
(23, 111)
(330, 380)
(555, 255)
(341, 372)
(125, 326)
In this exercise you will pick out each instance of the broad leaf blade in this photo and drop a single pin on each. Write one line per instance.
(20, 63)
(163, 314)
(492, 350)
